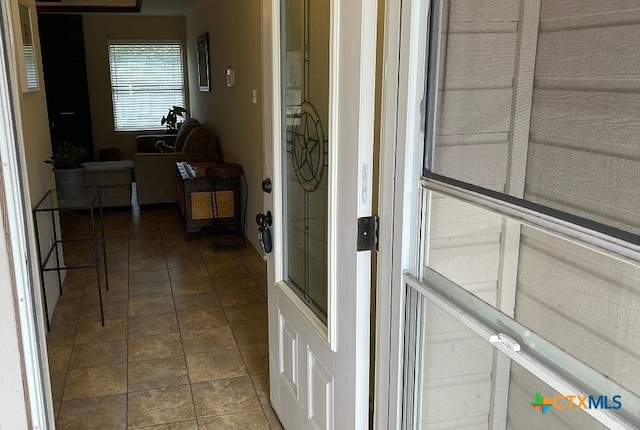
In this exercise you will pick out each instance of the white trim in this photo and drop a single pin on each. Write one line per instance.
(332, 174)
(364, 193)
(277, 200)
(20, 230)
(542, 372)
(506, 303)
(523, 95)
(305, 312)
(271, 129)
(388, 335)
(400, 169)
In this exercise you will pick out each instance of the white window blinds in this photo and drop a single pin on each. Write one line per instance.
(146, 80)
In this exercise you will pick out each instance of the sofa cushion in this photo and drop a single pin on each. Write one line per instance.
(107, 178)
(198, 140)
(96, 166)
(184, 131)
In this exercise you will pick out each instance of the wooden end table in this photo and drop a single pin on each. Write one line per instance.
(199, 204)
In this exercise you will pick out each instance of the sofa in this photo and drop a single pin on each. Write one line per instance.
(114, 179)
(156, 157)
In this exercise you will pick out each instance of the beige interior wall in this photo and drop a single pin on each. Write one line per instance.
(234, 29)
(33, 135)
(36, 145)
(98, 29)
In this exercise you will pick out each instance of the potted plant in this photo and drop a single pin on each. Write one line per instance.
(66, 161)
(171, 120)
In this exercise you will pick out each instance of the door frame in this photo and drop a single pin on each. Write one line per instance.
(399, 196)
(32, 391)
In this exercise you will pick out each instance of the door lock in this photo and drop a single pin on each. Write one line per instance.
(266, 185)
(264, 234)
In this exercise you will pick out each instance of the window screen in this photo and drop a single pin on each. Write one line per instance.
(534, 103)
(540, 104)
(146, 81)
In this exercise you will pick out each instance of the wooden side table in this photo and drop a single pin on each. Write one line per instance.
(200, 206)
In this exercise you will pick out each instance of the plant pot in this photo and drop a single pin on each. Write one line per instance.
(69, 181)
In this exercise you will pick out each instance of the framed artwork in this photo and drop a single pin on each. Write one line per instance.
(27, 62)
(203, 62)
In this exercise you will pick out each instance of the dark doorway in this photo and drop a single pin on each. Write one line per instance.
(65, 78)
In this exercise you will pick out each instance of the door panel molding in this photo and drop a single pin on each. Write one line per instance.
(288, 355)
(304, 311)
(319, 393)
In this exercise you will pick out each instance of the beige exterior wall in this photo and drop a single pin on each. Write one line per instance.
(234, 29)
(98, 29)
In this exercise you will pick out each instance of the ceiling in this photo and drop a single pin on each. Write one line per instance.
(143, 7)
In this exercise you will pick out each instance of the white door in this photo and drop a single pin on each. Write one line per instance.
(319, 74)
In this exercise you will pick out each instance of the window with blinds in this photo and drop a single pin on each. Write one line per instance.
(146, 80)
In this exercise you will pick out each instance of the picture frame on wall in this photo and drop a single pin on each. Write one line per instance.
(203, 63)
(27, 59)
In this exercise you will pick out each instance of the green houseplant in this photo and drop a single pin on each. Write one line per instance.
(171, 120)
(66, 160)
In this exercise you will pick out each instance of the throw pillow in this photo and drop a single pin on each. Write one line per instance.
(198, 140)
(183, 133)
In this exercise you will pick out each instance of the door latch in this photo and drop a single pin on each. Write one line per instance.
(368, 233)
(264, 234)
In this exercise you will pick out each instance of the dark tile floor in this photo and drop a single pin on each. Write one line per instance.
(185, 340)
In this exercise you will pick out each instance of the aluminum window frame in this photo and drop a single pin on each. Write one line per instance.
(462, 305)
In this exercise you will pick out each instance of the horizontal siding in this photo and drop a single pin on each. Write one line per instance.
(583, 153)
(453, 218)
(602, 122)
(475, 111)
(612, 19)
(480, 422)
(563, 9)
(570, 54)
(521, 416)
(489, 163)
(478, 54)
(473, 139)
(448, 355)
(481, 10)
(481, 27)
(585, 304)
(598, 186)
(449, 399)
(479, 61)
(456, 373)
(465, 245)
(467, 265)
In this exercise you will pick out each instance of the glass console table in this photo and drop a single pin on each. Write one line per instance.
(88, 199)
